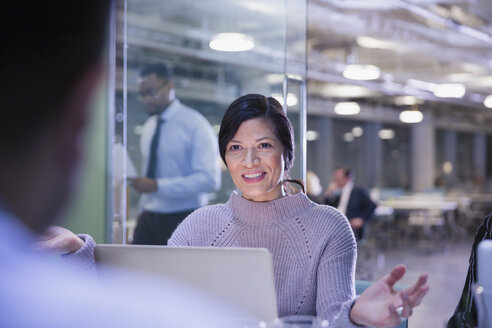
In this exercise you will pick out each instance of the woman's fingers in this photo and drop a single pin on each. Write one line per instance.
(394, 276)
(417, 292)
(420, 282)
(417, 297)
(406, 304)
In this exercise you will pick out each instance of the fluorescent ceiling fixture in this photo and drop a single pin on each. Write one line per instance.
(472, 68)
(357, 131)
(363, 5)
(460, 77)
(232, 42)
(488, 101)
(291, 99)
(312, 135)
(361, 72)
(411, 116)
(372, 43)
(347, 108)
(481, 82)
(421, 84)
(450, 90)
(407, 100)
(263, 8)
(386, 134)
(347, 91)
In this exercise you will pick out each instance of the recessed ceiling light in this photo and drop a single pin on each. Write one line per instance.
(386, 134)
(348, 137)
(347, 108)
(372, 43)
(361, 72)
(232, 42)
(357, 131)
(407, 100)
(450, 90)
(312, 135)
(447, 167)
(411, 116)
(488, 101)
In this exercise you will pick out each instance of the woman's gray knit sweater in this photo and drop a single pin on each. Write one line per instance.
(313, 248)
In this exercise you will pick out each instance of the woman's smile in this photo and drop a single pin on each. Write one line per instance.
(255, 160)
(253, 177)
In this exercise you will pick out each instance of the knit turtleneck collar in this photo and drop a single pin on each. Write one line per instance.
(265, 212)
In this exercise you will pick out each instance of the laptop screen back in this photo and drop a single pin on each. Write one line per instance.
(243, 276)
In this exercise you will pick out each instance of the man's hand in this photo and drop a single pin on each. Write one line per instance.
(376, 306)
(356, 223)
(60, 241)
(331, 189)
(143, 184)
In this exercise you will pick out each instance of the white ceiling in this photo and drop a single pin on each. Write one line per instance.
(426, 40)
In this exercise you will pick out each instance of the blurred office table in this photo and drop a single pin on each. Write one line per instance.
(432, 215)
(419, 204)
(472, 208)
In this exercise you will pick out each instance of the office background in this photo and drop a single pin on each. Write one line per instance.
(302, 50)
(349, 73)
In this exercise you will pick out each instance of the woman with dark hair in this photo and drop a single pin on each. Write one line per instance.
(313, 247)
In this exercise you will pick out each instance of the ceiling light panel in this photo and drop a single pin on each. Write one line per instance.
(347, 108)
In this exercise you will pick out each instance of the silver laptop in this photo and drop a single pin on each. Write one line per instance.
(243, 276)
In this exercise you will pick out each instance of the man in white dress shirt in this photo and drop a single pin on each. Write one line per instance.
(352, 201)
(179, 156)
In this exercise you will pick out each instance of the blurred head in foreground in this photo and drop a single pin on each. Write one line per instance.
(50, 65)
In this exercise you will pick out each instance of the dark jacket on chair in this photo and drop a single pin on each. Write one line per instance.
(359, 205)
(465, 315)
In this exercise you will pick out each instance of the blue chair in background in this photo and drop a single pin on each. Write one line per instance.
(361, 285)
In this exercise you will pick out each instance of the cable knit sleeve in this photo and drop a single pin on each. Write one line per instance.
(336, 276)
(83, 260)
(183, 233)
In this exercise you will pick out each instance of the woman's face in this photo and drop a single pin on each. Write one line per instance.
(255, 160)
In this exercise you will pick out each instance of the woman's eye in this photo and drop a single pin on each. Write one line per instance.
(234, 148)
(265, 145)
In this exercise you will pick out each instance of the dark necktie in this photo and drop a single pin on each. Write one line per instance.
(151, 168)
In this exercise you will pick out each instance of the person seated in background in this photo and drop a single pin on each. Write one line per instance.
(351, 200)
(313, 247)
(51, 64)
(465, 315)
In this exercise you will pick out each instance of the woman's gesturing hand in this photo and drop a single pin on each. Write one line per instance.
(59, 240)
(382, 306)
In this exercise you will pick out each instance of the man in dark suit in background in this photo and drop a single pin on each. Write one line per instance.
(352, 201)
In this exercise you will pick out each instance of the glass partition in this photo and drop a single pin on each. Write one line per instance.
(208, 73)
